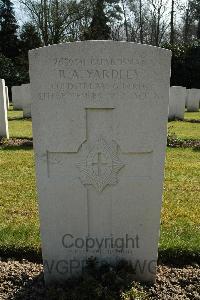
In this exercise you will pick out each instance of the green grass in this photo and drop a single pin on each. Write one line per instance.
(14, 114)
(181, 207)
(192, 115)
(19, 225)
(184, 130)
(180, 215)
(18, 207)
(19, 127)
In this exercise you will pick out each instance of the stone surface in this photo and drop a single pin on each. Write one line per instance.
(177, 102)
(99, 112)
(26, 100)
(193, 100)
(7, 97)
(3, 111)
(17, 97)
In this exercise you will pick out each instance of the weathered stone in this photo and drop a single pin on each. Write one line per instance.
(99, 112)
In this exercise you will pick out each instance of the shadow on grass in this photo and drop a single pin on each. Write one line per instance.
(15, 118)
(175, 257)
(196, 149)
(17, 147)
(191, 121)
(19, 119)
(29, 254)
(178, 257)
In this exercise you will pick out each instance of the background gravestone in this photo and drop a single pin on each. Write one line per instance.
(7, 97)
(177, 102)
(3, 111)
(26, 100)
(17, 97)
(193, 100)
(99, 112)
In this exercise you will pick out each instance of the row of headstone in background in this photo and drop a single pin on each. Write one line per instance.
(181, 98)
(3, 110)
(21, 98)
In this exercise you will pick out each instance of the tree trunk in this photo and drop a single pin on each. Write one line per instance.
(141, 24)
(125, 20)
(172, 24)
(198, 29)
(158, 27)
(45, 21)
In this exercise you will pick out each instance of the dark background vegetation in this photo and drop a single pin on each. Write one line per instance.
(171, 25)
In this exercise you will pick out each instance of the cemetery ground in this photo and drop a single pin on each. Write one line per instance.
(179, 250)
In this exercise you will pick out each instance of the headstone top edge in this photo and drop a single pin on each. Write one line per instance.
(89, 42)
(178, 86)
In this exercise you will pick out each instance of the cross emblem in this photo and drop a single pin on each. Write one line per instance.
(98, 166)
(99, 163)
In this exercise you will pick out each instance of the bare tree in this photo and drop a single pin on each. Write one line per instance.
(159, 20)
(53, 18)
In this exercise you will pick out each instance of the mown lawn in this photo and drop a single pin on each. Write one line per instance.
(181, 206)
(186, 130)
(19, 225)
(19, 127)
(192, 115)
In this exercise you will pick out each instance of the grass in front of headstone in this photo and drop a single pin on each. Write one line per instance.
(19, 226)
(181, 207)
(19, 127)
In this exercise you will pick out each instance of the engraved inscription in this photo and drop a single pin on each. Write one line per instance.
(89, 79)
(95, 61)
(101, 165)
(97, 74)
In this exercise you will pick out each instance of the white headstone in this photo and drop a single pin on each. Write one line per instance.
(99, 112)
(177, 102)
(7, 97)
(26, 100)
(193, 100)
(17, 97)
(3, 111)
(187, 94)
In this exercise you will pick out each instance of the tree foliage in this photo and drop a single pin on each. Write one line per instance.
(8, 70)
(98, 29)
(8, 30)
(165, 23)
